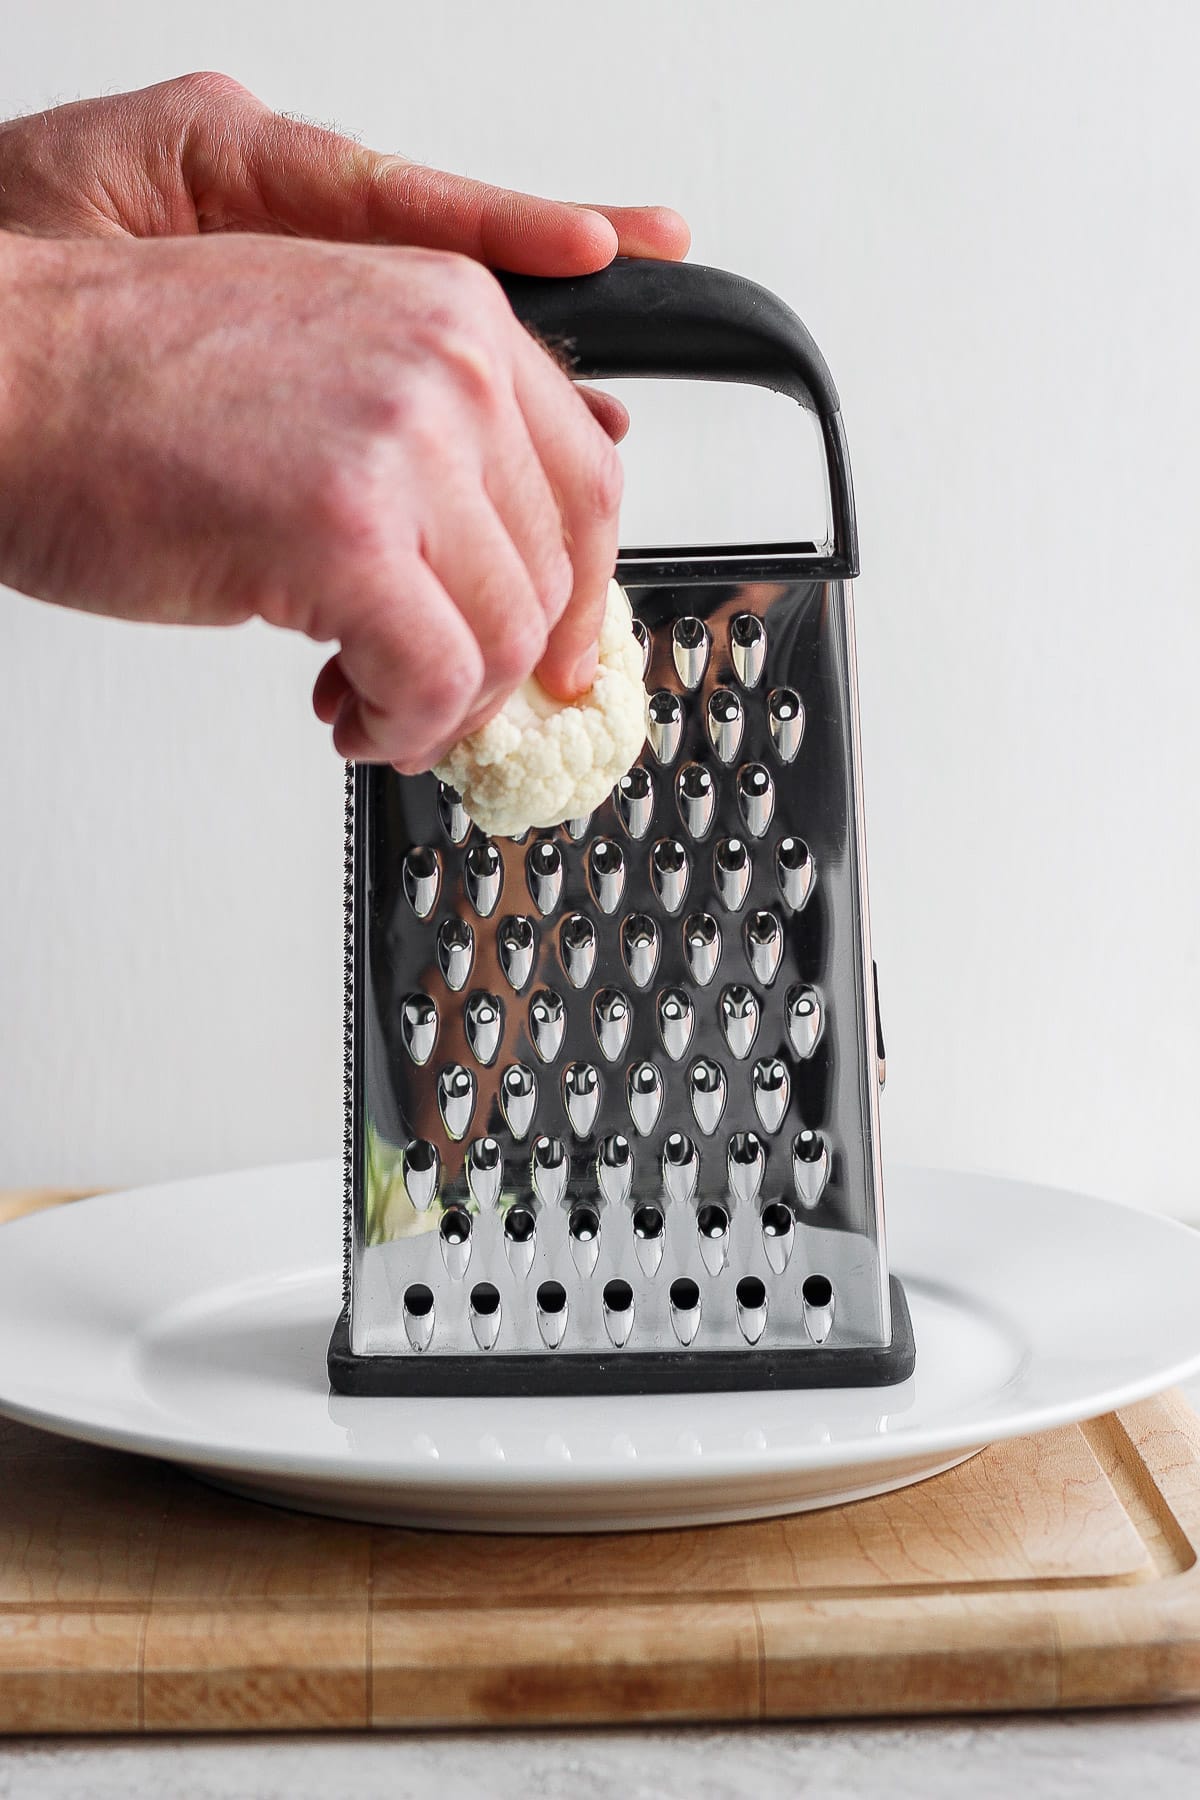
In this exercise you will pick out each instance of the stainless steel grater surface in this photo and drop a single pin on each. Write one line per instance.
(612, 1106)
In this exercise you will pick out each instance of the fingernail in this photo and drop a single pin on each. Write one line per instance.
(585, 670)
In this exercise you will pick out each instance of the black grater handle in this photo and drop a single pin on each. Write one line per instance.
(684, 321)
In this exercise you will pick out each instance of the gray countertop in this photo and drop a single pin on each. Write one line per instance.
(1056, 1757)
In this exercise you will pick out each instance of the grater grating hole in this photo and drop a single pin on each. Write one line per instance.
(795, 871)
(421, 878)
(676, 1021)
(648, 1223)
(418, 1300)
(485, 1299)
(419, 1027)
(549, 1169)
(633, 797)
(665, 728)
(670, 871)
(756, 797)
(747, 648)
(745, 1163)
(771, 1087)
(483, 877)
(680, 1166)
(577, 944)
(802, 1011)
(484, 1018)
(810, 1167)
(785, 721)
(764, 945)
(739, 1015)
(645, 1087)
(544, 874)
(612, 1016)
(689, 649)
(519, 1225)
(421, 1166)
(456, 1099)
(455, 952)
(696, 799)
(640, 943)
(702, 946)
(516, 941)
(726, 721)
(614, 1168)
(732, 869)
(552, 1313)
(606, 874)
(618, 1311)
(452, 813)
(547, 1022)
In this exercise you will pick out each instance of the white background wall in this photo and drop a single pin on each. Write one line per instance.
(987, 213)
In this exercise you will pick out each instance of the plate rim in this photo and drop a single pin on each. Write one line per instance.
(715, 1467)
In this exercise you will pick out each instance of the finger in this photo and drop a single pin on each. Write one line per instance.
(249, 168)
(472, 554)
(649, 231)
(409, 204)
(585, 473)
(330, 691)
(527, 512)
(413, 667)
(609, 412)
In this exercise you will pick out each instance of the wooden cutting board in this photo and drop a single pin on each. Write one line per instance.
(1054, 1571)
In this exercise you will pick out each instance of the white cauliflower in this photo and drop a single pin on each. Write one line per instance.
(540, 761)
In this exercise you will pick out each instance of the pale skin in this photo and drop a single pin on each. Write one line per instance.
(249, 368)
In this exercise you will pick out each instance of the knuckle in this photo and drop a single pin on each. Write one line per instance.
(472, 365)
(471, 280)
(203, 87)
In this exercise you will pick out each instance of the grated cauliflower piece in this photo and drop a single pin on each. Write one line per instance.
(540, 760)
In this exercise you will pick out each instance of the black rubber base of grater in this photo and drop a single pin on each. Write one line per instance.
(646, 1372)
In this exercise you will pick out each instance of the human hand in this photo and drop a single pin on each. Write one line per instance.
(358, 443)
(200, 154)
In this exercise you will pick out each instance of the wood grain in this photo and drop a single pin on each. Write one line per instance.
(1053, 1571)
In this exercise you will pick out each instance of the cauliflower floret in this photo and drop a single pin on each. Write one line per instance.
(540, 761)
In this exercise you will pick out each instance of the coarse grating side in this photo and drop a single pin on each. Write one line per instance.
(637, 1049)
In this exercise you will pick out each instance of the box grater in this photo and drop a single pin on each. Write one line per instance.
(612, 1089)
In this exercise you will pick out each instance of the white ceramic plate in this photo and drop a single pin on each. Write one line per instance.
(190, 1322)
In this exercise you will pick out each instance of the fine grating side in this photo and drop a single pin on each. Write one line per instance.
(616, 1085)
